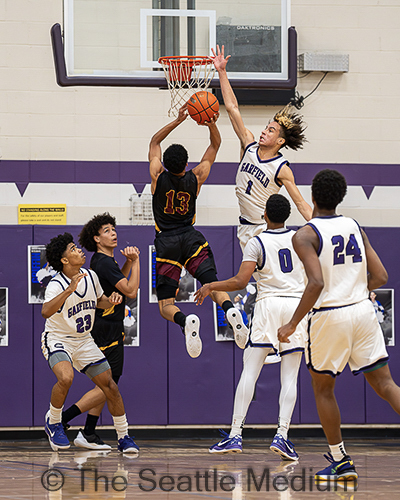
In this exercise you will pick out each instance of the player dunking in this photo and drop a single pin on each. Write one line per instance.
(100, 236)
(341, 267)
(262, 169)
(177, 243)
(280, 284)
(69, 307)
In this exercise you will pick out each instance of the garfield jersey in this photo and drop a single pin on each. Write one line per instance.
(342, 257)
(76, 316)
(256, 181)
(279, 270)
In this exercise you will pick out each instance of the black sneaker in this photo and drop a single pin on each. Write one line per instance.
(91, 442)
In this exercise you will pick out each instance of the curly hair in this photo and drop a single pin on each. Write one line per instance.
(56, 248)
(328, 188)
(292, 128)
(175, 158)
(92, 228)
(277, 208)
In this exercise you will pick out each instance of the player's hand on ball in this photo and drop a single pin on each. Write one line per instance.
(182, 113)
(202, 293)
(284, 333)
(212, 120)
(115, 298)
(75, 280)
(130, 253)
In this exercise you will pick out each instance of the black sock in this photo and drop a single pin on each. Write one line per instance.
(90, 426)
(226, 305)
(180, 319)
(70, 413)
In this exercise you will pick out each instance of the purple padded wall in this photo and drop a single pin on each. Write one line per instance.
(16, 359)
(201, 389)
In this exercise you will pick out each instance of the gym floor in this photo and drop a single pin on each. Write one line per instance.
(183, 468)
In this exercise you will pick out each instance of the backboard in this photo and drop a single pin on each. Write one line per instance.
(119, 42)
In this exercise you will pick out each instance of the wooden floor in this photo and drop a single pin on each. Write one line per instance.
(184, 469)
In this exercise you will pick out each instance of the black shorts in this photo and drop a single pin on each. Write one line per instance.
(109, 337)
(177, 249)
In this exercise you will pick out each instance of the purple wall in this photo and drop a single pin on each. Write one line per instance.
(161, 384)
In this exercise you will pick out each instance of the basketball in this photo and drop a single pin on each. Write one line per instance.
(202, 106)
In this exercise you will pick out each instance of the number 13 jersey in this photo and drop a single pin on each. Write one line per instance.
(256, 181)
(342, 257)
(76, 316)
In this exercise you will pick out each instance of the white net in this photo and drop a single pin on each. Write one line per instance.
(141, 210)
(185, 76)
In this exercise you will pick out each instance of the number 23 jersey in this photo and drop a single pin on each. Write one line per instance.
(76, 316)
(343, 261)
(256, 181)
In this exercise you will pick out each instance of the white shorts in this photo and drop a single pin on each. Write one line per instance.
(245, 232)
(344, 335)
(82, 351)
(270, 313)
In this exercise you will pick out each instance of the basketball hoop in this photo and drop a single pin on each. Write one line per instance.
(186, 75)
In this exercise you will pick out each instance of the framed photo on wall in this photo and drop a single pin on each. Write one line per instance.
(383, 301)
(132, 321)
(39, 273)
(187, 284)
(3, 316)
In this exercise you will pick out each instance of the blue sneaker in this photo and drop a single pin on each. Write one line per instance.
(127, 445)
(56, 434)
(227, 444)
(284, 448)
(342, 470)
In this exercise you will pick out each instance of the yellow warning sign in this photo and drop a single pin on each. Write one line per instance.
(42, 214)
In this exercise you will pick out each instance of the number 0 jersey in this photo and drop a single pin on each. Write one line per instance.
(279, 270)
(174, 201)
(341, 253)
(76, 316)
(256, 181)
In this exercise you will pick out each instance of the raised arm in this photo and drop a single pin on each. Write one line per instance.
(230, 101)
(202, 170)
(287, 178)
(155, 154)
(377, 274)
(130, 285)
(52, 306)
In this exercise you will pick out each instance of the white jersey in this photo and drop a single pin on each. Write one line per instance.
(256, 181)
(76, 316)
(342, 256)
(279, 270)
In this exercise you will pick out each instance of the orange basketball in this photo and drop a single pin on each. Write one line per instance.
(202, 106)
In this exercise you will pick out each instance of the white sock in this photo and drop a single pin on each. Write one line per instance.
(55, 414)
(121, 426)
(338, 451)
(283, 428)
(237, 425)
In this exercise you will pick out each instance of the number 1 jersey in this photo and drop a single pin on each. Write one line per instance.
(342, 257)
(76, 316)
(256, 181)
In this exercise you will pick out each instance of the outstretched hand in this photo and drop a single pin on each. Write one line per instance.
(202, 293)
(130, 253)
(219, 58)
(115, 298)
(212, 121)
(75, 281)
(182, 113)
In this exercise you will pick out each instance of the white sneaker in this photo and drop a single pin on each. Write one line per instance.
(240, 330)
(92, 442)
(192, 336)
